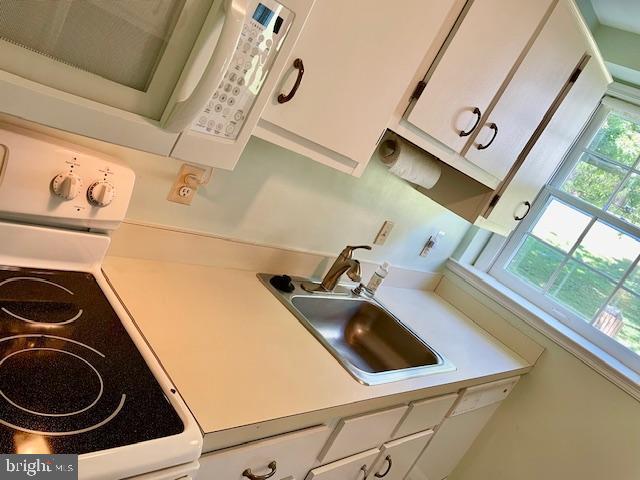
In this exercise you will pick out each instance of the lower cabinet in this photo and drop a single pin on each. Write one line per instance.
(355, 467)
(286, 456)
(392, 461)
(370, 446)
(398, 456)
(457, 433)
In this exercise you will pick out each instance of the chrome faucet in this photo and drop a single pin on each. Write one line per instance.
(345, 263)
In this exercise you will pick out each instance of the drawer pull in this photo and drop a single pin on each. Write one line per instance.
(478, 114)
(388, 460)
(272, 466)
(298, 65)
(493, 127)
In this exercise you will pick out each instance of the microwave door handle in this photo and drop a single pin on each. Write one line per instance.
(180, 113)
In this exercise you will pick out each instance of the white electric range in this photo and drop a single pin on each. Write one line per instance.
(76, 375)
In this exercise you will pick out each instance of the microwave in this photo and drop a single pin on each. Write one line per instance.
(180, 78)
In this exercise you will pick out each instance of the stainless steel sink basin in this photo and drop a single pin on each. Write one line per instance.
(368, 341)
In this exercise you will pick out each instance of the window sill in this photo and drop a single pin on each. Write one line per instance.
(602, 362)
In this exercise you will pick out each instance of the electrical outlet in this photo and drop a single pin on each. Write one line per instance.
(384, 232)
(432, 241)
(186, 184)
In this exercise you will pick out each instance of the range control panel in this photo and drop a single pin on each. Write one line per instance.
(262, 36)
(46, 181)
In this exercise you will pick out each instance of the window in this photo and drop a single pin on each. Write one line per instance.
(577, 253)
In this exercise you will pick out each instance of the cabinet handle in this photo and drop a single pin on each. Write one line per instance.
(478, 113)
(272, 466)
(526, 204)
(493, 127)
(297, 64)
(388, 460)
(364, 471)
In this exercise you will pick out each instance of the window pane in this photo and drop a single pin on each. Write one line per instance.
(626, 203)
(535, 262)
(581, 289)
(621, 319)
(618, 139)
(560, 225)
(608, 250)
(593, 180)
(633, 280)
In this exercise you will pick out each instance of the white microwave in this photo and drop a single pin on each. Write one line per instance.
(182, 78)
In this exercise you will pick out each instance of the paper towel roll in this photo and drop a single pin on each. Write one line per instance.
(409, 162)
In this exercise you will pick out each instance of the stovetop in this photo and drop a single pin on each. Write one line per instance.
(71, 378)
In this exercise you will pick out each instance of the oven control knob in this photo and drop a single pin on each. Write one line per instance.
(100, 194)
(66, 185)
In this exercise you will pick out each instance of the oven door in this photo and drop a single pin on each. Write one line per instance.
(111, 69)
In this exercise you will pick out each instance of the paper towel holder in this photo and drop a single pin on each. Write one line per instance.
(388, 148)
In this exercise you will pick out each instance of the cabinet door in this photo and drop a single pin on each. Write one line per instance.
(548, 152)
(397, 457)
(451, 442)
(359, 59)
(530, 93)
(355, 467)
(487, 45)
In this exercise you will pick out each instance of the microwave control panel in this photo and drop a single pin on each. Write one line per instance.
(261, 38)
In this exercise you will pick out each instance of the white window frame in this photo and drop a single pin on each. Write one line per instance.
(552, 190)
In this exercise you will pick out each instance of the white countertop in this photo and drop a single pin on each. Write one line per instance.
(239, 357)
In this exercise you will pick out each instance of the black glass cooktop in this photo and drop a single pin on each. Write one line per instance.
(71, 378)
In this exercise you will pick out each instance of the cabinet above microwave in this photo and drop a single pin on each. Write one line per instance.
(181, 78)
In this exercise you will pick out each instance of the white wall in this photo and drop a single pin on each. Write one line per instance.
(563, 421)
(280, 198)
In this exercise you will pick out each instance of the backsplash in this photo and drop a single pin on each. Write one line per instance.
(279, 198)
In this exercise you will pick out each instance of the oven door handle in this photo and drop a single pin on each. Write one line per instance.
(183, 107)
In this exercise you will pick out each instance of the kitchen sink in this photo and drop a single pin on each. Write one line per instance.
(369, 342)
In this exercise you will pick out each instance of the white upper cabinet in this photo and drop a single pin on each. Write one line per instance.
(477, 62)
(359, 58)
(145, 73)
(536, 84)
(547, 153)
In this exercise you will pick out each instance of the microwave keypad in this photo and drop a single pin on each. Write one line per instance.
(229, 105)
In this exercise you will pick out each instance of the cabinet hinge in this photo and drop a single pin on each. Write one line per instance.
(494, 201)
(418, 90)
(574, 76)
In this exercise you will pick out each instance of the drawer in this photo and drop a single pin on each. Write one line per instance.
(291, 455)
(359, 433)
(424, 414)
(483, 395)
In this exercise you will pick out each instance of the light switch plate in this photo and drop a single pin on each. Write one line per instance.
(384, 232)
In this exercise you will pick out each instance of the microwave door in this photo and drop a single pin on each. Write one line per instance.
(124, 55)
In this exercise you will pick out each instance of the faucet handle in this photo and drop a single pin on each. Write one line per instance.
(352, 248)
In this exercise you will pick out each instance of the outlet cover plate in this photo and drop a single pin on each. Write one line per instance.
(202, 175)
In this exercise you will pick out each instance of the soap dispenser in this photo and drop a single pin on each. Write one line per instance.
(377, 278)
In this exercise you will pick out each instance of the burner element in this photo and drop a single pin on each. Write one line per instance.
(31, 303)
(51, 374)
